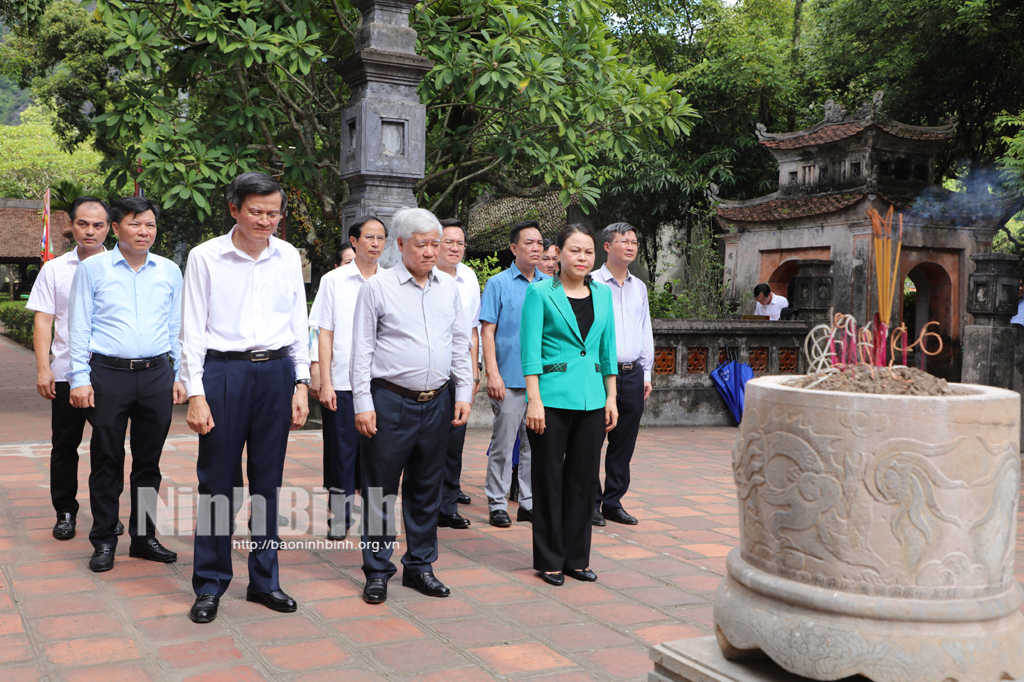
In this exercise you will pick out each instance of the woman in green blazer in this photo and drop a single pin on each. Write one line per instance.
(567, 340)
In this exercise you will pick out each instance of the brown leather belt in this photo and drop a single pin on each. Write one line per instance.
(418, 396)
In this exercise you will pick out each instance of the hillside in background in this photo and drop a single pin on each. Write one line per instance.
(13, 100)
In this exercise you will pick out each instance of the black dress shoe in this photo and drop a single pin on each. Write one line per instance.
(152, 550)
(119, 529)
(597, 519)
(618, 515)
(205, 608)
(452, 521)
(375, 591)
(556, 579)
(463, 498)
(337, 535)
(524, 515)
(500, 518)
(65, 527)
(584, 574)
(275, 601)
(102, 559)
(426, 584)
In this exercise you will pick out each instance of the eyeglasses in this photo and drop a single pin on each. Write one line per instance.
(374, 238)
(449, 243)
(627, 242)
(257, 214)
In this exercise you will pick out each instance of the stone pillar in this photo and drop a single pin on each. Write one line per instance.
(990, 343)
(383, 128)
(812, 290)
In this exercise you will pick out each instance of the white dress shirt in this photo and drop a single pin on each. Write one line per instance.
(774, 308)
(234, 303)
(333, 310)
(634, 337)
(50, 295)
(411, 336)
(469, 293)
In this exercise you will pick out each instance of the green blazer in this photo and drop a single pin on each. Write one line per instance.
(571, 371)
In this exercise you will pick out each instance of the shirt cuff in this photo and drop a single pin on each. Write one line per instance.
(194, 387)
(80, 378)
(363, 404)
(647, 375)
(464, 394)
(302, 371)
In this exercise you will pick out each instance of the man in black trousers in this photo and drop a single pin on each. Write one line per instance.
(125, 311)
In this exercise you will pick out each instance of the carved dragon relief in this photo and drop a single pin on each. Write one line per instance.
(809, 505)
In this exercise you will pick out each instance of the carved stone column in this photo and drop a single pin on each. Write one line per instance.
(812, 290)
(990, 343)
(383, 128)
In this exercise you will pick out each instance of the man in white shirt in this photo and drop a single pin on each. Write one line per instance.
(768, 303)
(332, 314)
(90, 221)
(245, 367)
(453, 248)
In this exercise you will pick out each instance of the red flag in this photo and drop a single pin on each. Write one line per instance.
(46, 244)
(138, 187)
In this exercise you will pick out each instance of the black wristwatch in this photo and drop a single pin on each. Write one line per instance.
(302, 381)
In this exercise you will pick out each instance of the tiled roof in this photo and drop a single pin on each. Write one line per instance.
(788, 209)
(830, 133)
(914, 133)
(490, 222)
(22, 228)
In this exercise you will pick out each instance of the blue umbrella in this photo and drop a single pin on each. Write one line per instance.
(730, 380)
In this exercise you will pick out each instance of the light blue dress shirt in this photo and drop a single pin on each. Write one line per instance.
(1019, 317)
(502, 305)
(121, 313)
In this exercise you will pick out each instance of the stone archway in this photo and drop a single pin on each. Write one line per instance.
(934, 303)
(781, 277)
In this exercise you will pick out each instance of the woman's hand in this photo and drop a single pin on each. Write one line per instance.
(535, 416)
(611, 414)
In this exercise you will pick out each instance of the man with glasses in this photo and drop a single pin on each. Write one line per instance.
(634, 343)
(245, 365)
(453, 248)
(333, 312)
(500, 312)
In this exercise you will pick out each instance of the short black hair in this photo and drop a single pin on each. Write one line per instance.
(341, 253)
(254, 182)
(513, 235)
(126, 206)
(73, 211)
(548, 243)
(355, 230)
(455, 222)
(762, 289)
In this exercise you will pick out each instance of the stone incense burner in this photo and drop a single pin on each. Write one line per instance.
(877, 535)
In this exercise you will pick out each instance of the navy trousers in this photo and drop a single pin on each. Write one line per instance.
(409, 446)
(341, 454)
(145, 397)
(251, 405)
(453, 460)
(622, 439)
(67, 423)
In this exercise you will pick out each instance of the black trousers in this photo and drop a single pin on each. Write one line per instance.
(453, 460)
(566, 462)
(251, 405)
(145, 397)
(67, 423)
(409, 446)
(341, 455)
(622, 439)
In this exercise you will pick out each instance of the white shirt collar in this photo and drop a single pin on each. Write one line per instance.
(228, 245)
(605, 275)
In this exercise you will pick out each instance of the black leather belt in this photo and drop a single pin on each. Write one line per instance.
(418, 396)
(135, 364)
(627, 366)
(248, 355)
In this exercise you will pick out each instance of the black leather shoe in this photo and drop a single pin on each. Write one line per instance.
(556, 579)
(65, 527)
(618, 515)
(426, 584)
(102, 559)
(500, 518)
(597, 519)
(524, 515)
(584, 574)
(119, 529)
(337, 535)
(452, 521)
(205, 608)
(275, 601)
(463, 498)
(152, 550)
(375, 591)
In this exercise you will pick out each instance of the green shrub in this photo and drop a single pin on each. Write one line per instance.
(485, 268)
(18, 321)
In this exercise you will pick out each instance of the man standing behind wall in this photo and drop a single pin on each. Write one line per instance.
(500, 313)
(49, 299)
(245, 365)
(333, 311)
(409, 339)
(125, 312)
(634, 343)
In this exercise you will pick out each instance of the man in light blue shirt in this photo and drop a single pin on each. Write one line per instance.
(1019, 317)
(500, 313)
(124, 318)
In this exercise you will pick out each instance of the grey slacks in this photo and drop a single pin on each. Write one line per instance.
(509, 421)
